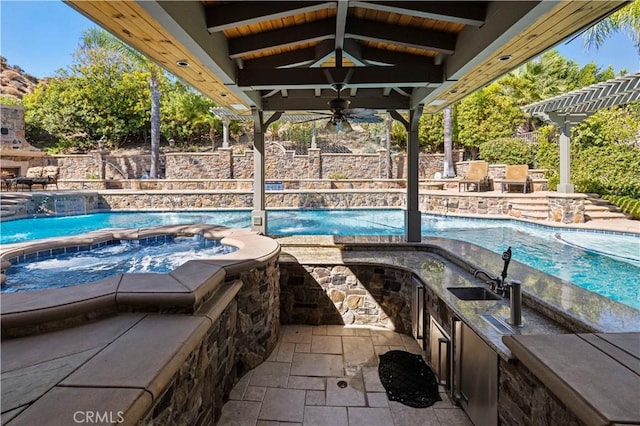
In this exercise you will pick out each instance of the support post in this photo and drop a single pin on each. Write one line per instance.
(259, 214)
(225, 132)
(564, 122)
(412, 217)
(565, 185)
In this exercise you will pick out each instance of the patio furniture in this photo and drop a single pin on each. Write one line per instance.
(7, 182)
(478, 175)
(42, 176)
(517, 175)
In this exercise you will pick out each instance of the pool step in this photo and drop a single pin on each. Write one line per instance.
(529, 208)
(596, 208)
(538, 209)
(12, 205)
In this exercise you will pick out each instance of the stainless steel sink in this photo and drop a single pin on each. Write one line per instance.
(473, 293)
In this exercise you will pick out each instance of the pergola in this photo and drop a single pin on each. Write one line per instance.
(571, 108)
(393, 56)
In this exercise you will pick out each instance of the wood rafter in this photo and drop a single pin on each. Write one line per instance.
(232, 15)
(401, 35)
(462, 12)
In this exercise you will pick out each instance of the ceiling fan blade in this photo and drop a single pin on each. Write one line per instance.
(365, 119)
(355, 112)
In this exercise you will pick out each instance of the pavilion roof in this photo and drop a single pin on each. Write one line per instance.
(617, 91)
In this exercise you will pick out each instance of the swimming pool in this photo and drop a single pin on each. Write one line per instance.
(603, 263)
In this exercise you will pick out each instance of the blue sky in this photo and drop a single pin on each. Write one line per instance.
(41, 37)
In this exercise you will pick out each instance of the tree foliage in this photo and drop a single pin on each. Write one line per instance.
(486, 115)
(101, 96)
(507, 151)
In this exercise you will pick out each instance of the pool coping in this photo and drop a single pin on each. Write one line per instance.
(183, 290)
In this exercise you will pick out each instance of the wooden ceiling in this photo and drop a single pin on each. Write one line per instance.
(387, 55)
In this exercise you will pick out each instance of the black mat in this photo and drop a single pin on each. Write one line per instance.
(408, 379)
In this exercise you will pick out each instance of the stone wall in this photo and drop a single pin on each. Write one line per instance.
(468, 204)
(216, 165)
(351, 166)
(244, 200)
(240, 339)
(223, 164)
(338, 294)
(525, 401)
(428, 164)
(565, 208)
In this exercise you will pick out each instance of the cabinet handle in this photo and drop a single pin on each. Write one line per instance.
(421, 324)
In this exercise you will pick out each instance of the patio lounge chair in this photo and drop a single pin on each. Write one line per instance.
(478, 175)
(42, 176)
(519, 176)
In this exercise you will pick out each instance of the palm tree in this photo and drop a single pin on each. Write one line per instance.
(99, 38)
(625, 20)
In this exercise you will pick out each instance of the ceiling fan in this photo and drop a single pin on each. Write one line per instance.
(341, 114)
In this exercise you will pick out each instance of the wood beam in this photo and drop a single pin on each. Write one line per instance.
(460, 12)
(401, 35)
(222, 17)
(283, 37)
(361, 77)
(306, 100)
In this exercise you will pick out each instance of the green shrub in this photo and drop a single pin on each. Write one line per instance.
(625, 204)
(548, 158)
(610, 169)
(506, 151)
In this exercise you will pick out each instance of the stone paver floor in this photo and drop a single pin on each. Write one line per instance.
(298, 384)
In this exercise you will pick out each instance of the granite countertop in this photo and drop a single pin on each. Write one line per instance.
(596, 375)
(431, 261)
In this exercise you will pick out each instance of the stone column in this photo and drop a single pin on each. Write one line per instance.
(383, 164)
(98, 158)
(315, 164)
(226, 163)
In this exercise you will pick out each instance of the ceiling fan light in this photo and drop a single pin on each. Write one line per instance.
(344, 127)
(331, 126)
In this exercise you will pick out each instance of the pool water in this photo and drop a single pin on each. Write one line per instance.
(603, 263)
(123, 256)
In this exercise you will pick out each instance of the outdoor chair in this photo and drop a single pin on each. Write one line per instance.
(478, 175)
(517, 175)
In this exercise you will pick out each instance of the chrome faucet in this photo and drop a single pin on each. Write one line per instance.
(495, 280)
